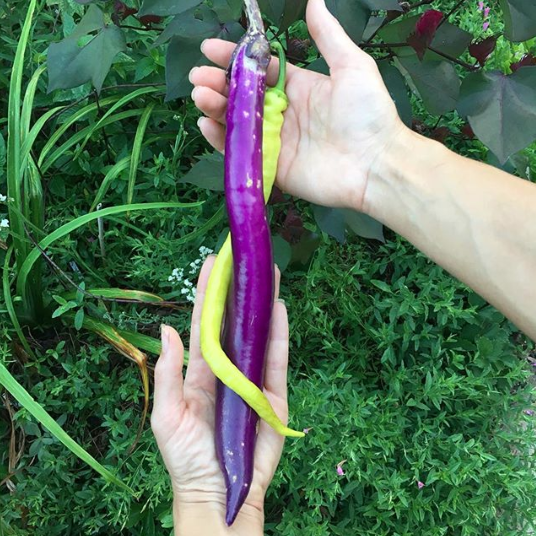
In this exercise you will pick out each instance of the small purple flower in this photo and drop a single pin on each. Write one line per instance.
(306, 430)
(485, 26)
(486, 11)
(420, 484)
(529, 412)
(340, 470)
(480, 6)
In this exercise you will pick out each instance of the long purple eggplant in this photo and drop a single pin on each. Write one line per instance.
(252, 291)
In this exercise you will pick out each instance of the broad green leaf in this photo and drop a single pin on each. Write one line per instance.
(354, 14)
(207, 173)
(70, 65)
(166, 7)
(330, 221)
(294, 10)
(188, 26)
(398, 90)
(227, 10)
(282, 252)
(501, 109)
(92, 20)
(302, 251)
(71, 226)
(24, 398)
(319, 66)
(182, 55)
(437, 83)
(363, 225)
(273, 9)
(519, 19)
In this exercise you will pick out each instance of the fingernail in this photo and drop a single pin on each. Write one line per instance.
(279, 300)
(212, 255)
(203, 45)
(193, 93)
(191, 73)
(200, 121)
(164, 333)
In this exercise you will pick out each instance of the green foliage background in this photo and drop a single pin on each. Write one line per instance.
(398, 369)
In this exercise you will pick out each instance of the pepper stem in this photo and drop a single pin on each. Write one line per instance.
(253, 13)
(281, 80)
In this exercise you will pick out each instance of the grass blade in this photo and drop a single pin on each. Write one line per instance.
(79, 114)
(27, 104)
(11, 308)
(76, 137)
(147, 343)
(113, 172)
(14, 179)
(120, 294)
(136, 151)
(24, 398)
(121, 102)
(67, 228)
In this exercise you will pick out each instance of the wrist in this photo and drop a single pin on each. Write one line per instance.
(402, 176)
(201, 513)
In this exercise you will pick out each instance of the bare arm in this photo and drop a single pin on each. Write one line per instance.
(476, 221)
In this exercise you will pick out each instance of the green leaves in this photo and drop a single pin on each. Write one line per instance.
(167, 7)
(398, 90)
(437, 83)
(501, 109)
(519, 19)
(71, 65)
(335, 221)
(207, 173)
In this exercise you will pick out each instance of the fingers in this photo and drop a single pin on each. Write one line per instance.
(219, 52)
(211, 77)
(213, 132)
(210, 102)
(198, 374)
(275, 380)
(168, 381)
(332, 41)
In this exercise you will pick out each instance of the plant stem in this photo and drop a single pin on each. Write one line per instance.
(461, 63)
(451, 12)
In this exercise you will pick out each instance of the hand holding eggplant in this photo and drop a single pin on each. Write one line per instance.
(183, 423)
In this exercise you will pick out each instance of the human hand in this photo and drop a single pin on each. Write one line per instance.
(183, 424)
(337, 128)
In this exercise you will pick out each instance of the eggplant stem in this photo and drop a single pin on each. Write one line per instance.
(282, 77)
(253, 13)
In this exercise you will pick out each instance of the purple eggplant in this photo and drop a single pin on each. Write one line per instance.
(251, 296)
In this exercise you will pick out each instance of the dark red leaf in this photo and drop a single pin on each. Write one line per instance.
(467, 131)
(276, 196)
(418, 126)
(123, 11)
(293, 228)
(526, 61)
(425, 30)
(440, 134)
(482, 50)
(147, 20)
(298, 49)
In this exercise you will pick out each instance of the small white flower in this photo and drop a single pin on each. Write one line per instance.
(3, 198)
(188, 283)
(4, 223)
(184, 291)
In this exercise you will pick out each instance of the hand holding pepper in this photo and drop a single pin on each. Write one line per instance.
(183, 423)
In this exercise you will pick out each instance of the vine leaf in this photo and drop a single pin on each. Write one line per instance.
(335, 221)
(273, 9)
(227, 10)
(519, 19)
(501, 109)
(71, 65)
(207, 173)
(354, 14)
(184, 52)
(482, 50)
(437, 82)
(166, 7)
(425, 30)
(398, 90)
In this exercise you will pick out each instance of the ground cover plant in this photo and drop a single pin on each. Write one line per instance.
(419, 395)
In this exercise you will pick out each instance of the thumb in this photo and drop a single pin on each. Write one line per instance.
(168, 383)
(332, 41)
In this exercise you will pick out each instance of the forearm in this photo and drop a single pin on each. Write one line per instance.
(474, 220)
(207, 517)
